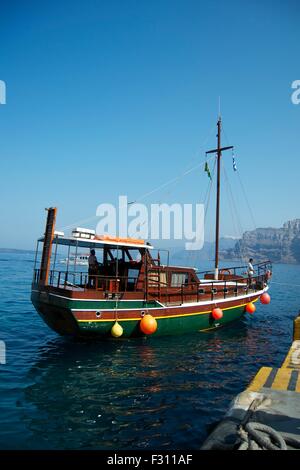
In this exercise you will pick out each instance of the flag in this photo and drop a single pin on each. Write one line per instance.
(206, 168)
(234, 164)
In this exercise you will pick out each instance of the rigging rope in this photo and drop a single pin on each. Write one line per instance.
(185, 172)
(239, 224)
(169, 191)
(243, 188)
(208, 191)
(247, 201)
(192, 255)
(235, 227)
(140, 198)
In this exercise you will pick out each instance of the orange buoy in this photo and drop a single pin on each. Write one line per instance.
(265, 298)
(250, 307)
(148, 325)
(217, 313)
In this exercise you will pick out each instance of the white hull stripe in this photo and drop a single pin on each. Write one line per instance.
(186, 304)
(194, 304)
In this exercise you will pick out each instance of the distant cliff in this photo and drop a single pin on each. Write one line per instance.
(181, 257)
(280, 245)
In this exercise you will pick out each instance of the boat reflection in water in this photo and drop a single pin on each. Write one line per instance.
(115, 395)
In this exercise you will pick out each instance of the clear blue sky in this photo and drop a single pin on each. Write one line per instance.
(116, 97)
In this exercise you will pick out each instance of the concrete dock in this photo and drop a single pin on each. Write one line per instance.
(267, 414)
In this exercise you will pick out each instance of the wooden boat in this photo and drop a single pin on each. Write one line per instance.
(131, 297)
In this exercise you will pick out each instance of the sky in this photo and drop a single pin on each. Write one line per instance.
(109, 98)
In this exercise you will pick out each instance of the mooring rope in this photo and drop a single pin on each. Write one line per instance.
(258, 436)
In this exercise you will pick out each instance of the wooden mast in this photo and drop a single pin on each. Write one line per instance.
(218, 200)
(47, 248)
(218, 151)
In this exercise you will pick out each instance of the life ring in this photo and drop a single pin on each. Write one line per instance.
(224, 271)
(268, 274)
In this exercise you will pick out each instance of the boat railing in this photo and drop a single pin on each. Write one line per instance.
(161, 257)
(208, 289)
(117, 286)
(230, 286)
(260, 268)
(84, 280)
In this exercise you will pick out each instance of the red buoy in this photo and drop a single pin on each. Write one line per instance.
(217, 313)
(250, 307)
(148, 325)
(265, 298)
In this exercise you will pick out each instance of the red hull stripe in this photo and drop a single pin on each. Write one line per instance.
(126, 315)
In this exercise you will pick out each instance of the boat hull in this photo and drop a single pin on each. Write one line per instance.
(95, 318)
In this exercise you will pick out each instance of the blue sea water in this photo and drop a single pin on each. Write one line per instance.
(153, 393)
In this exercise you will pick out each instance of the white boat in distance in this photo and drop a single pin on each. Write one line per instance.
(80, 260)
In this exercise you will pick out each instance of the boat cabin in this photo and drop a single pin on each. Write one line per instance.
(123, 266)
(127, 269)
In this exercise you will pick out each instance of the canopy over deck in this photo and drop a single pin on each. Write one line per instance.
(95, 243)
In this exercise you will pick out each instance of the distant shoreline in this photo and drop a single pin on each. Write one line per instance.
(15, 250)
(224, 260)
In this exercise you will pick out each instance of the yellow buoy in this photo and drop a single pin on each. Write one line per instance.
(116, 330)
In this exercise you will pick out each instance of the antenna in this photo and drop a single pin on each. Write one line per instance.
(219, 115)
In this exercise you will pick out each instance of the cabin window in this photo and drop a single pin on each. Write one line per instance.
(154, 277)
(134, 255)
(133, 274)
(179, 279)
